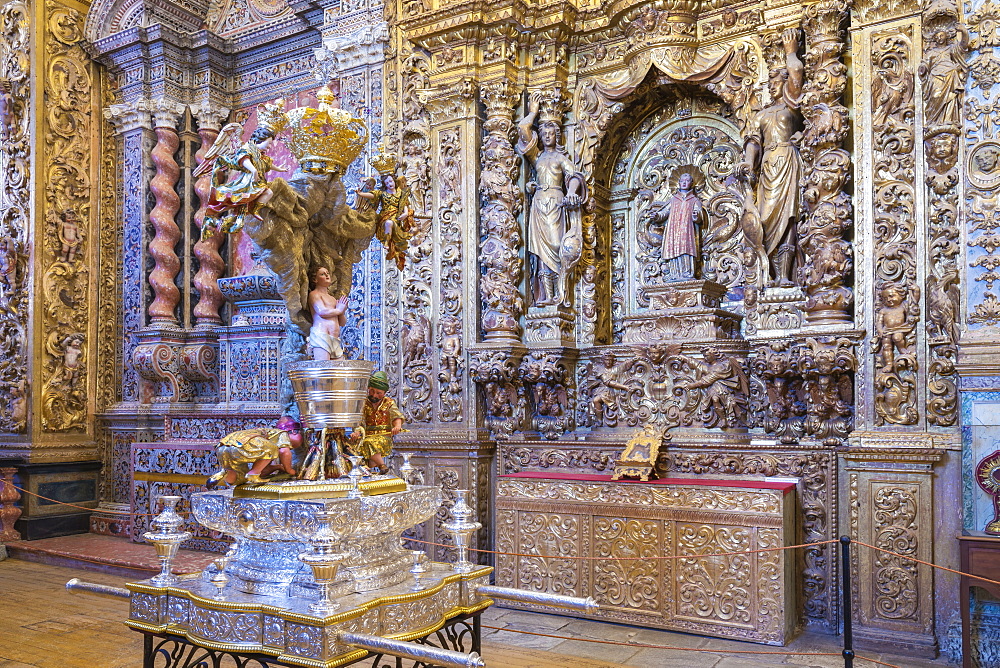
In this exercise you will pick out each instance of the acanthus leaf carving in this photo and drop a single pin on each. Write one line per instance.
(15, 204)
(897, 296)
(943, 72)
(69, 92)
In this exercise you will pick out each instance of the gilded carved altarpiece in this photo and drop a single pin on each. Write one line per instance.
(828, 373)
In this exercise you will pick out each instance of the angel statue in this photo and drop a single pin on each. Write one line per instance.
(239, 183)
(395, 211)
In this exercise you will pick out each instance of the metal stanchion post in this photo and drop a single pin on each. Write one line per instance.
(845, 597)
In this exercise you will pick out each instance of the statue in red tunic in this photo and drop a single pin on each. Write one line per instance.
(681, 216)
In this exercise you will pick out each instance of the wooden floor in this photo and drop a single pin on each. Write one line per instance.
(44, 626)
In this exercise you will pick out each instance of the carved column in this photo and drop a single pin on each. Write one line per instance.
(162, 311)
(211, 265)
(502, 201)
(828, 256)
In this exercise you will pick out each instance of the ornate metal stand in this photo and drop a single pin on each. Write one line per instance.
(163, 650)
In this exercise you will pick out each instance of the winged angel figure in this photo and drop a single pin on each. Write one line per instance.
(303, 221)
(239, 178)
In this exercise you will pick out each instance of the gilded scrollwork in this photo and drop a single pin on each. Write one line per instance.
(416, 279)
(15, 203)
(69, 91)
(827, 366)
(450, 211)
(657, 383)
(895, 577)
(943, 72)
(816, 503)
(897, 303)
(497, 372)
(108, 382)
(549, 377)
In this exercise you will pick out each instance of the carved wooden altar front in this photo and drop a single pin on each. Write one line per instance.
(634, 547)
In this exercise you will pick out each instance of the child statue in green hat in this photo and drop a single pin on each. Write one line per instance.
(382, 420)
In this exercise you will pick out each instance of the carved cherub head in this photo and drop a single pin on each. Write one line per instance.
(892, 295)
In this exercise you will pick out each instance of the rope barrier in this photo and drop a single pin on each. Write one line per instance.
(682, 649)
(93, 510)
(668, 556)
(926, 563)
(542, 556)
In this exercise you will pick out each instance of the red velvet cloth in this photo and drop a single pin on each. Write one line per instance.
(785, 487)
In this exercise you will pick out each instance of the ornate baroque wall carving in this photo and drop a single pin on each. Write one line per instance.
(502, 202)
(828, 256)
(942, 73)
(67, 237)
(897, 296)
(15, 205)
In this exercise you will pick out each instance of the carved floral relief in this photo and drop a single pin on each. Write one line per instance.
(15, 204)
(897, 296)
(69, 89)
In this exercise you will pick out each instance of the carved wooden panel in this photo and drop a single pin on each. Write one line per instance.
(608, 539)
(890, 507)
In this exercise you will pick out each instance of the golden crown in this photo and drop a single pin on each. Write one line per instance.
(383, 162)
(324, 140)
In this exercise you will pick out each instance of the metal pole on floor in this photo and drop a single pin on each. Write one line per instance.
(845, 598)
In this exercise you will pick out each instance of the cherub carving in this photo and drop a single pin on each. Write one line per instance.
(69, 235)
(723, 386)
(894, 333)
(603, 401)
(451, 350)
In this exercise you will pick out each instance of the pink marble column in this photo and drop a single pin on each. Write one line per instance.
(162, 312)
(211, 266)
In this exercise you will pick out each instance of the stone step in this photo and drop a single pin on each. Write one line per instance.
(105, 554)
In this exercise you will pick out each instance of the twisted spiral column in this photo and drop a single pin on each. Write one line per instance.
(211, 266)
(162, 311)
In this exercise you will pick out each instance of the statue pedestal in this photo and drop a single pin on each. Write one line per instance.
(250, 348)
(683, 310)
(550, 326)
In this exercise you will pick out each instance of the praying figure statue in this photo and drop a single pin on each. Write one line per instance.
(772, 158)
(329, 315)
(558, 193)
(681, 216)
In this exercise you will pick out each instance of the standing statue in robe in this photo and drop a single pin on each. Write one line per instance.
(681, 216)
(770, 154)
(558, 192)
